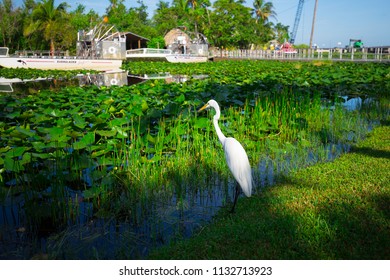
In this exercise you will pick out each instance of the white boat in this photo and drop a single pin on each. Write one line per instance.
(164, 55)
(101, 48)
(60, 63)
(181, 48)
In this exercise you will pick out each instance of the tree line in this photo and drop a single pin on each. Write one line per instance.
(42, 25)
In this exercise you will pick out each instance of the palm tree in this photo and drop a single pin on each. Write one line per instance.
(47, 18)
(181, 5)
(281, 32)
(263, 10)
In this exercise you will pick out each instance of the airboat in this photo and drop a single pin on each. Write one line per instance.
(181, 47)
(102, 48)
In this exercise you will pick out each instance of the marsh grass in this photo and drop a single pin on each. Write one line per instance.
(285, 128)
(283, 131)
(334, 210)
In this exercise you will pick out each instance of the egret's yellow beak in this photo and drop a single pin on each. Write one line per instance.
(205, 106)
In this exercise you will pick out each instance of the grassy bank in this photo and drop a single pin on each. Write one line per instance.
(335, 210)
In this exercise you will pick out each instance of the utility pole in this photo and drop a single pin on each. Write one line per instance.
(312, 25)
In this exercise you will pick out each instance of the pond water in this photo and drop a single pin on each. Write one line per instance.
(26, 232)
(113, 78)
(117, 78)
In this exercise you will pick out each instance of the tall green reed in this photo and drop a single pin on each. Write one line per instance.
(183, 154)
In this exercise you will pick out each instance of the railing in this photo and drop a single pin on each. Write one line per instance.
(46, 55)
(148, 51)
(41, 53)
(364, 54)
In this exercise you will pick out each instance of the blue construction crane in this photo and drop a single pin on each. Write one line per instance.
(296, 23)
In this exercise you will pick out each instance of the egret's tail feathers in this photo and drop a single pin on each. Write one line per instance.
(247, 191)
(247, 187)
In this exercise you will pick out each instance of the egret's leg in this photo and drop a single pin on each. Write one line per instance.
(237, 192)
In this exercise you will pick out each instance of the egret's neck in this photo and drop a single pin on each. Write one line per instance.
(217, 129)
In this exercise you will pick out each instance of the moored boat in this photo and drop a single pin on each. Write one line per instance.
(101, 49)
(181, 47)
(60, 63)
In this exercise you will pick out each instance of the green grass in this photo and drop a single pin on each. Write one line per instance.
(334, 210)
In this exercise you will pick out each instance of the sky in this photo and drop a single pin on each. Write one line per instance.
(336, 22)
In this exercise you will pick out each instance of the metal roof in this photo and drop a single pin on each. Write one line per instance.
(133, 37)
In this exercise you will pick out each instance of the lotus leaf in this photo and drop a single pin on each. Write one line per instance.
(79, 121)
(84, 142)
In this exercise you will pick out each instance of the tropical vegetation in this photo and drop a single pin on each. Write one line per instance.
(50, 20)
(41, 24)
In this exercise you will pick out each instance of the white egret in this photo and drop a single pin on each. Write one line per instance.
(235, 155)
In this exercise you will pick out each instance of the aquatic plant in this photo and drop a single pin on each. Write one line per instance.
(119, 149)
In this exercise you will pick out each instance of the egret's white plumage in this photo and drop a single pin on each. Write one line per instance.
(235, 155)
(238, 163)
